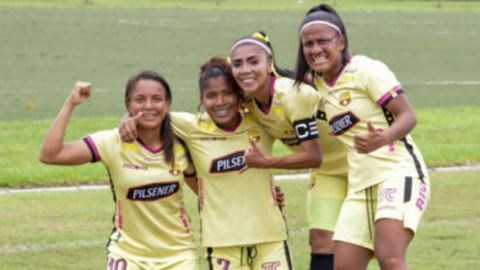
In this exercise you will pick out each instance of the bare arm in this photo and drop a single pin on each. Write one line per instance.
(405, 121)
(54, 149)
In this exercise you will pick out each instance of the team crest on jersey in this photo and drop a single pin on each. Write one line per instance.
(254, 135)
(288, 130)
(175, 169)
(345, 99)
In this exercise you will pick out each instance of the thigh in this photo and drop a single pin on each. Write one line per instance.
(325, 197)
(349, 256)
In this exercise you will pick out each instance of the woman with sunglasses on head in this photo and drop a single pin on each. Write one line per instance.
(291, 113)
(369, 112)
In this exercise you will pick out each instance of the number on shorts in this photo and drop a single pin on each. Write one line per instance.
(223, 262)
(118, 264)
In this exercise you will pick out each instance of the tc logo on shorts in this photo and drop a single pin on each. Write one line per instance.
(388, 194)
(153, 192)
(341, 123)
(230, 163)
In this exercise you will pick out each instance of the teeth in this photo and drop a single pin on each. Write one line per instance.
(149, 115)
(221, 112)
(319, 59)
(247, 80)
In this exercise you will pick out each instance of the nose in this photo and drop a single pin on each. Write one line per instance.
(148, 104)
(244, 68)
(220, 100)
(316, 48)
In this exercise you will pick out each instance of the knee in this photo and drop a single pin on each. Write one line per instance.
(388, 260)
(321, 241)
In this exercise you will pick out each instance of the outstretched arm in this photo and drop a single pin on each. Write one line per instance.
(54, 149)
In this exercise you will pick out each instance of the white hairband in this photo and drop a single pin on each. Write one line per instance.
(250, 40)
(321, 22)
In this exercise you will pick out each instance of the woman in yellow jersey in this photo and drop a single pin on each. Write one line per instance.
(242, 226)
(293, 114)
(151, 229)
(368, 111)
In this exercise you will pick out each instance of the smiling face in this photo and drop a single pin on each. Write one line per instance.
(149, 97)
(322, 46)
(251, 68)
(221, 102)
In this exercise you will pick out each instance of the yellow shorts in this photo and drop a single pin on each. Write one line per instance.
(325, 198)
(274, 256)
(402, 199)
(116, 261)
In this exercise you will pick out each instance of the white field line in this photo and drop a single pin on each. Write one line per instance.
(63, 245)
(111, 90)
(282, 177)
(443, 83)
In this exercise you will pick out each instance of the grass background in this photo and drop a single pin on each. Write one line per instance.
(46, 45)
(69, 230)
(45, 50)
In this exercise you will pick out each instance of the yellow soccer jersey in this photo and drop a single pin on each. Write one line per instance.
(150, 220)
(356, 96)
(235, 209)
(291, 119)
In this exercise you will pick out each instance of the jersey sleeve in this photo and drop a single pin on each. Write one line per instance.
(182, 124)
(380, 83)
(101, 144)
(301, 106)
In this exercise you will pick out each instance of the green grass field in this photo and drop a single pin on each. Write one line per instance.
(59, 230)
(47, 45)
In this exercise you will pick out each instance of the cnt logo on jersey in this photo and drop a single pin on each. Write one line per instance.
(254, 135)
(345, 99)
(230, 163)
(175, 169)
(152, 192)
